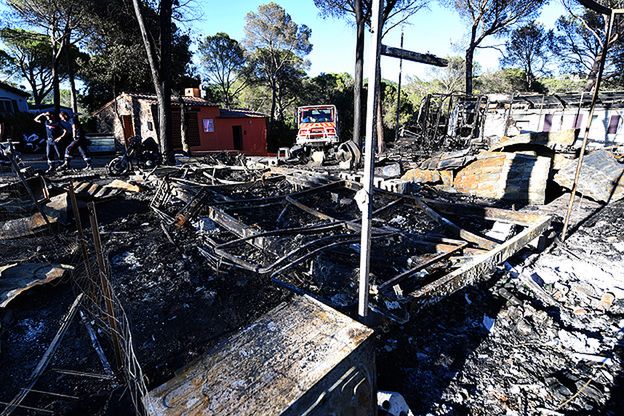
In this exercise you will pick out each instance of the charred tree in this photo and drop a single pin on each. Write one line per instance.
(159, 59)
(490, 18)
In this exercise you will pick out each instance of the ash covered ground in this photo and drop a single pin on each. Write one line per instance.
(543, 336)
(177, 309)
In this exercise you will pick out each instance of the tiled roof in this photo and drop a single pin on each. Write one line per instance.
(241, 113)
(197, 101)
(14, 90)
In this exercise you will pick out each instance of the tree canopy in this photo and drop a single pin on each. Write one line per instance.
(224, 63)
(529, 48)
(278, 47)
(27, 56)
(487, 18)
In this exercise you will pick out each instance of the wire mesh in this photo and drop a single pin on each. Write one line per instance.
(37, 228)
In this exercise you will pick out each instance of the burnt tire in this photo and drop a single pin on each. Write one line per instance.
(118, 166)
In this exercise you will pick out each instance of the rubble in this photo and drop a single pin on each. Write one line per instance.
(17, 278)
(602, 179)
(560, 140)
(508, 350)
(473, 305)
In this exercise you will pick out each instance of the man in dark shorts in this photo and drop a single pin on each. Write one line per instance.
(54, 132)
(73, 126)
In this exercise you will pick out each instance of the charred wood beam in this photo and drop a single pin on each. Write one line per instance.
(287, 231)
(481, 242)
(309, 191)
(486, 213)
(420, 266)
(423, 58)
(478, 269)
(318, 214)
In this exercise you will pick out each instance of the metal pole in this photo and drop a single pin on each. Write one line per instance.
(579, 165)
(369, 159)
(398, 109)
(105, 286)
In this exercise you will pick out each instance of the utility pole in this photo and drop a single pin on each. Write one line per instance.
(369, 157)
(398, 109)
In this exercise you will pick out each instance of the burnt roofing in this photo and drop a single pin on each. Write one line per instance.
(14, 90)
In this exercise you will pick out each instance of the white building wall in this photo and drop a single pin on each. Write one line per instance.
(534, 120)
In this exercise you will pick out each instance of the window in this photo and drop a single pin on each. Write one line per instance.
(548, 118)
(150, 126)
(316, 115)
(578, 121)
(6, 106)
(614, 123)
(208, 124)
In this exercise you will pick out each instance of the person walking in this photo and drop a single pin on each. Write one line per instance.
(75, 129)
(54, 132)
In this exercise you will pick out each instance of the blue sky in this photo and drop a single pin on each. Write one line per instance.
(436, 30)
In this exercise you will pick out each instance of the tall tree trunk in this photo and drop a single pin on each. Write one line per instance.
(593, 73)
(359, 73)
(56, 81)
(469, 68)
(164, 113)
(160, 69)
(470, 51)
(72, 81)
(273, 102)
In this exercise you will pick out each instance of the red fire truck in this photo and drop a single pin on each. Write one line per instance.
(318, 126)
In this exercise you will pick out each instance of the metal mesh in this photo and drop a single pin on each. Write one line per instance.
(37, 228)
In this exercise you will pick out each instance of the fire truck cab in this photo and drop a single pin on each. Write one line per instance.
(318, 126)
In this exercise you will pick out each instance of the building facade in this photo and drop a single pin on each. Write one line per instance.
(208, 127)
(510, 115)
(12, 100)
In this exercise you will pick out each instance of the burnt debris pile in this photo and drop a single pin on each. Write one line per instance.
(110, 286)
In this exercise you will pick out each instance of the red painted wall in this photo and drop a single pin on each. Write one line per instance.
(254, 133)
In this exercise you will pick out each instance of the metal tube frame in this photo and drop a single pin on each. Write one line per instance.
(369, 157)
(579, 166)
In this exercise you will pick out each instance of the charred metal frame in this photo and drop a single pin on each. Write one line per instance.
(480, 254)
(611, 15)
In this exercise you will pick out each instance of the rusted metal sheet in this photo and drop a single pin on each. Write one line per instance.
(17, 278)
(553, 139)
(22, 227)
(509, 176)
(300, 358)
(602, 177)
(485, 212)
